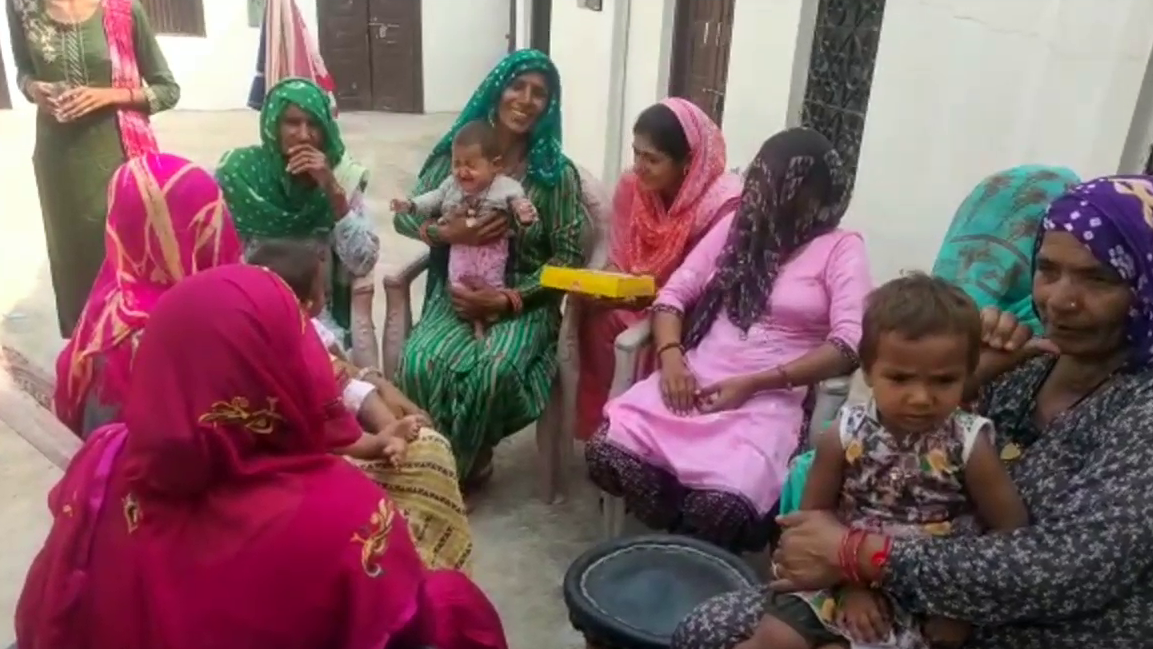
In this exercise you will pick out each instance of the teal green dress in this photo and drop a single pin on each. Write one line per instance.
(74, 162)
(988, 252)
(988, 249)
(481, 391)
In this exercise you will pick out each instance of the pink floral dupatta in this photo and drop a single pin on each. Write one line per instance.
(650, 240)
(166, 220)
(135, 131)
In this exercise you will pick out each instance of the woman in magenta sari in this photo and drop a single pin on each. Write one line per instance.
(166, 220)
(766, 305)
(677, 189)
(215, 516)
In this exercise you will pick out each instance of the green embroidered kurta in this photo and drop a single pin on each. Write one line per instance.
(75, 161)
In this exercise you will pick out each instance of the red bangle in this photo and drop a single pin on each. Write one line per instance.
(879, 560)
(514, 299)
(850, 553)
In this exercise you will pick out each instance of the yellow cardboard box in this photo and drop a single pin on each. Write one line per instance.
(598, 283)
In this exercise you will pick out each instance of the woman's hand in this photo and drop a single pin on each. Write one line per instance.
(489, 227)
(77, 102)
(728, 394)
(477, 302)
(1008, 342)
(304, 159)
(678, 384)
(807, 557)
(42, 95)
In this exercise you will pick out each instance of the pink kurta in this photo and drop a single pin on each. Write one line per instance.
(819, 295)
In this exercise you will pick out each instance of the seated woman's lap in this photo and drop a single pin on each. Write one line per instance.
(723, 621)
(479, 391)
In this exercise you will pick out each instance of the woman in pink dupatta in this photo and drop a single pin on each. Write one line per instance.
(96, 73)
(677, 189)
(214, 514)
(166, 220)
(766, 305)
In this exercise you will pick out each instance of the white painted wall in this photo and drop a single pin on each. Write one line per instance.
(462, 41)
(964, 88)
(581, 46)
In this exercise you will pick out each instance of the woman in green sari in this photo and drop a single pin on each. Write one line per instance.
(481, 391)
(989, 245)
(300, 183)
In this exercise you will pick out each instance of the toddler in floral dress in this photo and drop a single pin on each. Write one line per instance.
(475, 187)
(910, 462)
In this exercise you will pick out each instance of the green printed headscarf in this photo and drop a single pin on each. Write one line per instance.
(546, 161)
(988, 248)
(265, 200)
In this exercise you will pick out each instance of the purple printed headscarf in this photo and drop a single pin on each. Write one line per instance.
(1113, 217)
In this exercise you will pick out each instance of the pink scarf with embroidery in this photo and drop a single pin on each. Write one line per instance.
(648, 239)
(135, 131)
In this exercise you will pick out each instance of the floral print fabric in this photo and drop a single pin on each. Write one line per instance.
(903, 487)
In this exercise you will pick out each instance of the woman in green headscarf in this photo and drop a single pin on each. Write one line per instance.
(480, 391)
(300, 183)
(988, 249)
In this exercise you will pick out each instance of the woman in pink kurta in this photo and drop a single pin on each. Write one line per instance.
(677, 189)
(768, 304)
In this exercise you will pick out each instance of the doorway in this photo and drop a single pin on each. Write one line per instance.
(702, 34)
(373, 51)
(5, 98)
(540, 25)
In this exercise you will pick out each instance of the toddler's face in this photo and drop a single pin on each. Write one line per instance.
(918, 383)
(474, 172)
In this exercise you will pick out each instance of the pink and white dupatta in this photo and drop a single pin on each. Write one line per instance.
(135, 130)
(290, 50)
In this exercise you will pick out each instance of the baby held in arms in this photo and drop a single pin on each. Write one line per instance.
(908, 463)
(303, 265)
(475, 189)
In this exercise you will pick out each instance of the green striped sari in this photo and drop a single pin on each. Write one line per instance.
(480, 391)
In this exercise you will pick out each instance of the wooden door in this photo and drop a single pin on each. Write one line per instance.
(540, 19)
(396, 58)
(345, 49)
(5, 98)
(702, 34)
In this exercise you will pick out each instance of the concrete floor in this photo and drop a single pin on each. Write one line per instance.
(522, 545)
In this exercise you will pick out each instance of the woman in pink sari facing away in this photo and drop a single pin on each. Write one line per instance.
(166, 220)
(677, 189)
(768, 304)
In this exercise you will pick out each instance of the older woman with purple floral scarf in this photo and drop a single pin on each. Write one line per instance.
(1074, 420)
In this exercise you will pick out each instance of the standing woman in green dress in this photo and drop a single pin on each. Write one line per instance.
(481, 391)
(95, 71)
